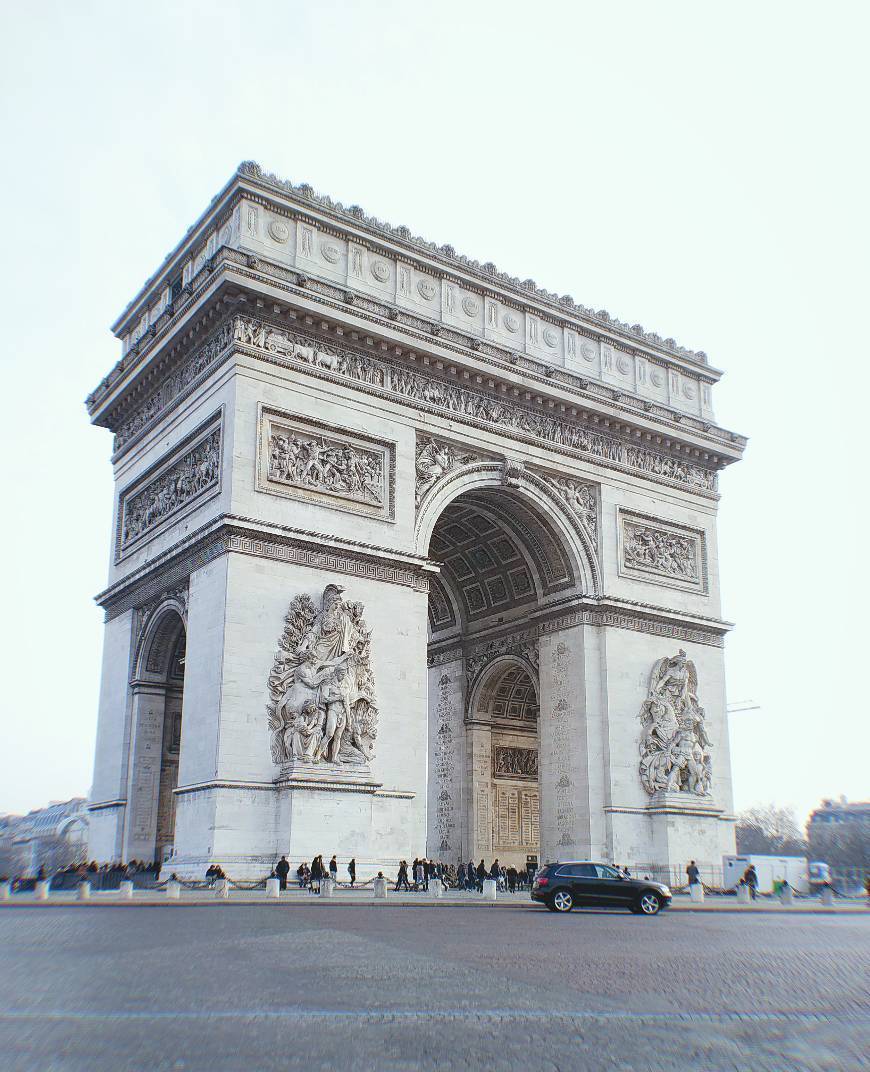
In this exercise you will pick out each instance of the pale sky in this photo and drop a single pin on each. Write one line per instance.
(701, 169)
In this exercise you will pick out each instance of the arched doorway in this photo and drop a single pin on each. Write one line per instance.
(157, 695)
(506, 704)
(511, 556)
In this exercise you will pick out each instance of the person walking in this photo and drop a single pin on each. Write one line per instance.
(316, 874)
(402, 877)
(472, 876)
(481, 875)
(693, 874)
(512, 879)
(351, 870)
(428, 872)
(751, 876)
(333, 870)
(282, 870)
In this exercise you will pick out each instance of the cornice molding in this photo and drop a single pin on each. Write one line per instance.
(233, 534)
(230, 265)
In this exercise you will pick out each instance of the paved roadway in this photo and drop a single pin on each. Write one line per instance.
(226, 988)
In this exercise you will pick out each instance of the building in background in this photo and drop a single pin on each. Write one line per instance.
(408, 556)
(49, 838)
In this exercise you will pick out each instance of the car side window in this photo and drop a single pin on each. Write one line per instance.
(578, 871)
(606, 872)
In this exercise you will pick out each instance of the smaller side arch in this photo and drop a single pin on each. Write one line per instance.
(490, 676)
(157, 639)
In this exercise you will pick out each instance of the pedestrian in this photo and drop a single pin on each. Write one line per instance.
(300, 875)
(472, 876)
(282, 870)
(428, 872)
(333, 870)
(481, 875)
(751, 877)
(694, 875)
(512, 879)
(316, 874)
(402, 877)
(351, 870)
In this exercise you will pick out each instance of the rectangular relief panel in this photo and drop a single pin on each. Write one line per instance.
(662, 552)
(186, 478)
(310, 460)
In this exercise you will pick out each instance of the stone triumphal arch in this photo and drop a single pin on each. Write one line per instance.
(408, 557)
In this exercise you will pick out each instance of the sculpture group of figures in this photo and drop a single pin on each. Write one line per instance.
(665, 552)
(326, 466)
(675, 748)
(322, 689)
(193, 473)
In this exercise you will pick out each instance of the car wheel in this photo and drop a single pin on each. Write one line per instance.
(562, 901)
(649, 903)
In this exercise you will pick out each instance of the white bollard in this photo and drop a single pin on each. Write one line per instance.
(83, 891)
(696, 892)
(743, 895)
(786, 895)
(490, 888)
(41, 890)
(327, 886)
(380, 889)
(828, 895)
(5, 891)
(222, 889)
(436, 889)
(125, 890)
(173, 890)
(273, 888)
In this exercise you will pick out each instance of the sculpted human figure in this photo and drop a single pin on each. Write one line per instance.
(674, 745)
(324, 660)
(304, 733)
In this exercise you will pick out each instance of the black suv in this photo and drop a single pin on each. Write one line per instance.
(564, 886)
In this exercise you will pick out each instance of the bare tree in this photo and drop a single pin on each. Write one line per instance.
(769, 831)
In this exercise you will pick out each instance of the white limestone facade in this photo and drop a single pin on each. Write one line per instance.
(409, 558)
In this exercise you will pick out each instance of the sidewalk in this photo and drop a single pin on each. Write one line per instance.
(452, 899)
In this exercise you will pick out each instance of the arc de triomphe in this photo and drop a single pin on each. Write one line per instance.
(409, 557)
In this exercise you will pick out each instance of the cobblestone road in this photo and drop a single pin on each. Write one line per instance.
(222, 987)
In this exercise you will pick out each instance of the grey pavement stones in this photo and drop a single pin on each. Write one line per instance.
(230, 987)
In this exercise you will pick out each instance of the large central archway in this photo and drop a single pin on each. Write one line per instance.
(509, 550)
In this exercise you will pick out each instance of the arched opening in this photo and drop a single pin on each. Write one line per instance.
(508, 554)
(506, 704)
(158, 696)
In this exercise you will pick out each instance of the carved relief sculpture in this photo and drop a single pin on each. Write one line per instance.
(322, 705)
(327, 465)
(434, 460)
(194, 473)
(660, 551)
(512, 762)
(581, 499)
(674, 748)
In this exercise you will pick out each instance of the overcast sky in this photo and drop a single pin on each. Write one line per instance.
(699, 168)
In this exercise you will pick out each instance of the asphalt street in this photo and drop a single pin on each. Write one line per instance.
(221, 987)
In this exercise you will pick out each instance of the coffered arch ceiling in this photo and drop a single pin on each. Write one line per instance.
(497, 554)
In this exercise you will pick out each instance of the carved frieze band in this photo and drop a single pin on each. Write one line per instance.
(311, 460)
(662, 552)
(473, 406)
(190, 475)
(510, 762)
